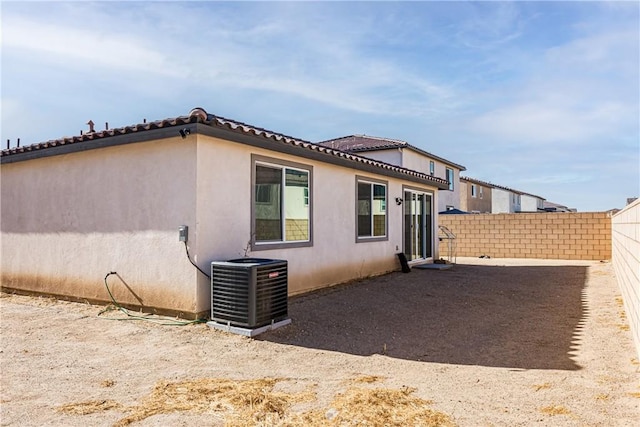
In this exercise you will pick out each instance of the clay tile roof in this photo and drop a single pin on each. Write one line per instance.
(355, 143)
(86, 138)
(200, 116)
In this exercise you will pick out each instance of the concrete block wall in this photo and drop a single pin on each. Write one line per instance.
(566, 235)
(625, 236)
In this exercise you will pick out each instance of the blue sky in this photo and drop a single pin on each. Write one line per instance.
(543, 97)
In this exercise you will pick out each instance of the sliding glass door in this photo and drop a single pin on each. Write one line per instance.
(418, 225)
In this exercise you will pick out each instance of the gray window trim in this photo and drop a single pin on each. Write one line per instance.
(261, 246)
(453, 177)
(366, 179)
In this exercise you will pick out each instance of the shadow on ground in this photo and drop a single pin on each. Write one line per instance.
(523, 317)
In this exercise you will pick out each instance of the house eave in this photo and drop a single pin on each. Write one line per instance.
(217, 128)
(319, 153)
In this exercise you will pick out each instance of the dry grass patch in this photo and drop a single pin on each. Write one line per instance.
(635, 394)
(555, 410)
(544, 386)
(243, 403)
(90, 407)
(255, 403)
(373, 407)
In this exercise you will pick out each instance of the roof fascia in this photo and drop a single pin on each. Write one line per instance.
(111, 141)
(216, 132)
(283, 147)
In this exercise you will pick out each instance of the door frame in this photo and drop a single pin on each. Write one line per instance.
(428, 232)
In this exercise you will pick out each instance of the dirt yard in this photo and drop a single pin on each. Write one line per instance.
(490, 342)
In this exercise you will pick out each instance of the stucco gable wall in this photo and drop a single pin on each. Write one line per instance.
(69, 220)
(528, 204)
(392, 156)
(500, 201)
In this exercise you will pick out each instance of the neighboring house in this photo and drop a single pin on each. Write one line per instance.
(75, 209)
(505, 200)
(484, 197)
(531, 203)
(403, 154)
(475, 195)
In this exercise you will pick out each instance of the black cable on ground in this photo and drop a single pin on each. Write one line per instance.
(143, 317)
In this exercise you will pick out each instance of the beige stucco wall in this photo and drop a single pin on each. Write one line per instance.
(420, 162)
(69, 220)
(392, 156)
(224, 218)
(529, 203)
(625, 230)
(502, 202)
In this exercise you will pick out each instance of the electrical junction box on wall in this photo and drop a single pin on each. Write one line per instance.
(183, 233)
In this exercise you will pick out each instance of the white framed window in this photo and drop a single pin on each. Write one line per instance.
(371, 209)
(281, 204)
(481, 192)
(474, 191)
(432, 168)
(449, 178)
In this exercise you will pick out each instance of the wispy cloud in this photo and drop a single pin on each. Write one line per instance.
(78, 47)
(513, 90)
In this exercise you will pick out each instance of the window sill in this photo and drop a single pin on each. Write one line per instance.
(280, 245)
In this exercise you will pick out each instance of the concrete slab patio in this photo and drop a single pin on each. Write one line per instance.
(487, 342)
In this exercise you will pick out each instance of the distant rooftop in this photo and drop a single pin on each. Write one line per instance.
(362, 143)
(502, 187)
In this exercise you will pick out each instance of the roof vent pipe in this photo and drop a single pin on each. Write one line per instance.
(8, 142)
(18, 142)
(200, 113)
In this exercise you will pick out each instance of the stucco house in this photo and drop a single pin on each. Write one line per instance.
(531, 203)
(406, 155)
(75, 209)
(475, 195)
(478, 196)
(505, 200)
